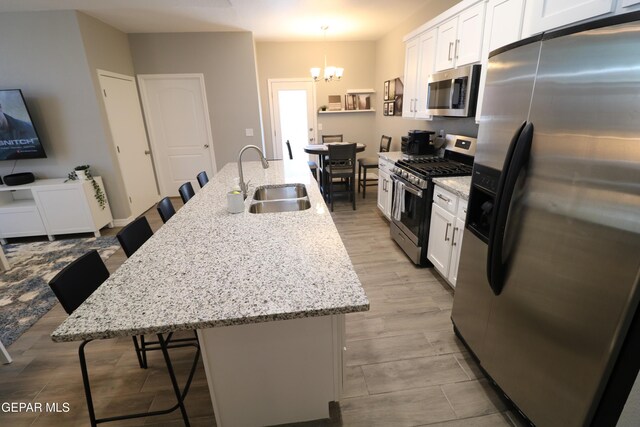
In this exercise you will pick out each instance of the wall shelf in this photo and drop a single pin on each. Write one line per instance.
(361, 91)
(346, 111)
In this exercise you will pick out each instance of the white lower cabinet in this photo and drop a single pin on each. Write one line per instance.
(385, 186)
(445, 234)
(50, 207)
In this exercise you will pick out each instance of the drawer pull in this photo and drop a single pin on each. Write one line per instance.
(446, 199)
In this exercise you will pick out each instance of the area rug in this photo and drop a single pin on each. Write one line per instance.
(25, 295)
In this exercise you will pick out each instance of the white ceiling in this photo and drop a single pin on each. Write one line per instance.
(268, 19)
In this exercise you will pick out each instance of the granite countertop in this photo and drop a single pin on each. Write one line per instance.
(208, 268)
(459, 185)
(392, 156)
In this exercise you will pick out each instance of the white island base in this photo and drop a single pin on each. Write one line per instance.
(274, 372)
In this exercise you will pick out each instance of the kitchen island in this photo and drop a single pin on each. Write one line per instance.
(266, 292)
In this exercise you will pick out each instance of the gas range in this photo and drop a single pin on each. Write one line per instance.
(419, 171)
(413, 193)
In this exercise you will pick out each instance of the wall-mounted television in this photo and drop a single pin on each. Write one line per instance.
(18, 137)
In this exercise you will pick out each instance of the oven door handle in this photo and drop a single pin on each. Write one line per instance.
(409, 187)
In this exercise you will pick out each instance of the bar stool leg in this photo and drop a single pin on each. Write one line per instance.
(364, 187)
(85, 382)
(174, 382)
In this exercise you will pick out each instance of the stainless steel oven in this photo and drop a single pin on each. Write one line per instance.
(453, 93)
(408, 212)
(413, 193)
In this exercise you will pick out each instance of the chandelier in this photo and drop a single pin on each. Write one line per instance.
(330, 72)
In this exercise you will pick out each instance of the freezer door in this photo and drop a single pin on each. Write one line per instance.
(554, 332)
(507, 99)
(509, 85)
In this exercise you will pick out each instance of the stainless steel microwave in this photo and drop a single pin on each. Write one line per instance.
(453, 93)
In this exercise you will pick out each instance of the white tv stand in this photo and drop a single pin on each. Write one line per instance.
(51, 206)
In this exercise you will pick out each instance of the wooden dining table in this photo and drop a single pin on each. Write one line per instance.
(322, 150)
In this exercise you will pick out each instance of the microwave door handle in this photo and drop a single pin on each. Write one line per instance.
(515, 162)
(452, 92)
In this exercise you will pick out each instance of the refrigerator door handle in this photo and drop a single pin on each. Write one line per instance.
(516, 159)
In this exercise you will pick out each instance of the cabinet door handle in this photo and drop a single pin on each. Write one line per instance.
(384, 185)
(456, 49)
(441, 197)
(446, 232)
(453, 237)
(449, 55)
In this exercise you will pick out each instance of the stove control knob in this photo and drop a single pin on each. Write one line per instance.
(421, 183)
(405, 174)
(413, 179)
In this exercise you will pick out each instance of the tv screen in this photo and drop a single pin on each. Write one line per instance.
(18, 137)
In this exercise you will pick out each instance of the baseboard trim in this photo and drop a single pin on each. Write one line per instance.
(121, 222)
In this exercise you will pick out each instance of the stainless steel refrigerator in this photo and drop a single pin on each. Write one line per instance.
(548, 282)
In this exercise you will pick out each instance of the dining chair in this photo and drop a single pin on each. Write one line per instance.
(132, 236)
(186, 192)
(72, 286)
(331, 138)
(341, 163)
(312, 165)
(165, 209)
(366, 163)
(202, 178)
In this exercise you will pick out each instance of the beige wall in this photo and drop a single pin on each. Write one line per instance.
(367, 65)
(43, 54)
(107, 49)
(278, 60)
(390, 64)
(227, 61)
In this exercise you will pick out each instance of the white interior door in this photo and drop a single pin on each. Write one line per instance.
(293, 115)
(122, 105)
(175, 107)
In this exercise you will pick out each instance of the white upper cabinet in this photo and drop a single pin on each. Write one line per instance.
(447, 36)
(419, 64)
(460, 39)
(503, 25)
(470, 26)
(426, 67)
(542, 15)
(410, 77)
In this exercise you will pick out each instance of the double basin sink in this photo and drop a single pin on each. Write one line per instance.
(280, 198)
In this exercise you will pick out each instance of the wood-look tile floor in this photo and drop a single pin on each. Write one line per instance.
(404, 365)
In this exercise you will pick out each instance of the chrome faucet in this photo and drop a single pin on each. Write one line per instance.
(265, 164)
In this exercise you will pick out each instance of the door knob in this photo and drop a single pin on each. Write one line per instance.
(206, 145)
(147, 152)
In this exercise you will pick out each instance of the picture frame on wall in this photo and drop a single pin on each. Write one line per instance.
(386, 90)
(390, 109)
(392, 90)
(385, 110)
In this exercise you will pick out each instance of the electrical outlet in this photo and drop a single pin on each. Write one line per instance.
(248, 132)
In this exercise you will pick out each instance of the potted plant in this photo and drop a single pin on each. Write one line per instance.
(323, 108)
(83, 173)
